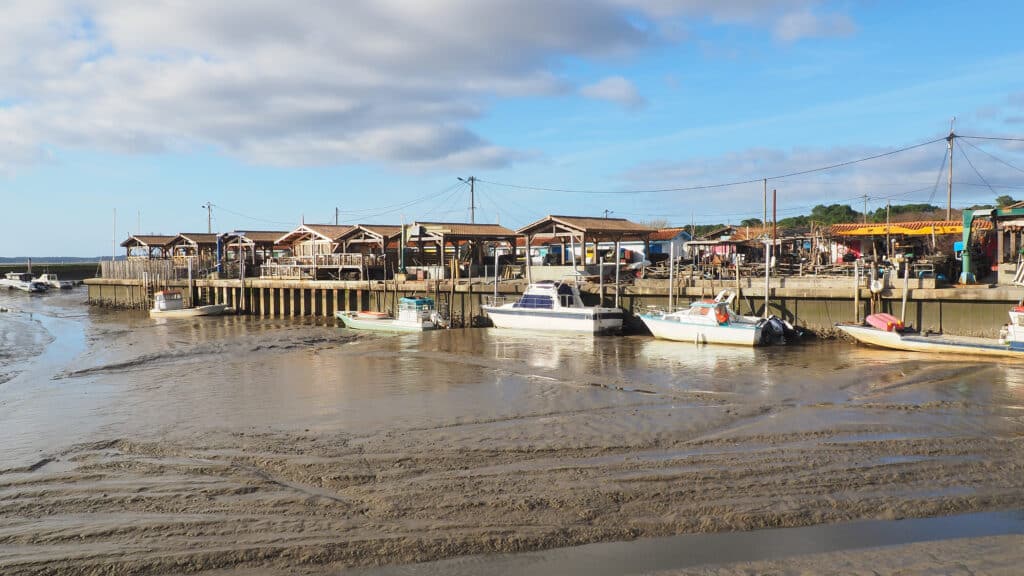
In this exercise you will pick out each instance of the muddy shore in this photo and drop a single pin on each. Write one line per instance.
(240, 446)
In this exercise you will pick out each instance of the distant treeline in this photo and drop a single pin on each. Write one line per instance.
(823, 215)
(53, 259)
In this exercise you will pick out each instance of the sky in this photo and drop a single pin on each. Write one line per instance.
(128, 117)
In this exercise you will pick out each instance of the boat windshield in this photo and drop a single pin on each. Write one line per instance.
(534, 301)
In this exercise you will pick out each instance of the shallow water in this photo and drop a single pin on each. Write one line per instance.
(419, 447)
(675, 552)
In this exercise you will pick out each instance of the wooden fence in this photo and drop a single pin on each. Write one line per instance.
(142, 268)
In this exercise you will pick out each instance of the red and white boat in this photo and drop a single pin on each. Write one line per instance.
(886, 331)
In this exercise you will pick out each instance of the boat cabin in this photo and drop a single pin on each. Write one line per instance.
(708, 312)
(415, 309)
(548, 294)
(168, 300)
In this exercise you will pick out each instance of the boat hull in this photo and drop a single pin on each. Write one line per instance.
(353, 321)
(208, 310)
(740, 334)
(936, 344)
(587, 320)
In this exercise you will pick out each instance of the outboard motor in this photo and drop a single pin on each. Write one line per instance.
(778, 331)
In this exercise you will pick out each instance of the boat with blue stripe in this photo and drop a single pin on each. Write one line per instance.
(553, 306)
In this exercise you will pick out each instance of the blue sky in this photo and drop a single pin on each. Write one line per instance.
(280, 113)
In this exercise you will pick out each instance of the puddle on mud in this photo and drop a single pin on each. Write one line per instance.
(676, 552)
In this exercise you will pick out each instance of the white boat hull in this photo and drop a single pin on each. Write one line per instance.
(592, 320)
(208, 310)
(24, 286)
(354, 321)
(737, 334)
(936, 344)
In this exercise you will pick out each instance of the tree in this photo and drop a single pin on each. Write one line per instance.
(904, 212)
(1004, 201)
(655, 223)
(834, 214)
(794, 222)
(753, 222)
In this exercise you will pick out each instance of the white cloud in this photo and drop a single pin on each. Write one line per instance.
(316, 83)
(614, 89)
(806, 24)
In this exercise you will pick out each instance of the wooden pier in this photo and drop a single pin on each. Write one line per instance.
(813, 303)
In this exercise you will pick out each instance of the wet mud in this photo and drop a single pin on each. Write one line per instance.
(238, 445)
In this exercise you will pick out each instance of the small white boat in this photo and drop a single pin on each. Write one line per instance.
(52, 281)
(414, 315)
(707, 322)
(169, 304)
(895, 337)
(553, 306)
(23, 281)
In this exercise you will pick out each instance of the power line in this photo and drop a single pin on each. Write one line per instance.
(720, 185)
(1003, 138)
(993, 156)
(938, 178)
(964, 154)
(220, 207)
(451, 190)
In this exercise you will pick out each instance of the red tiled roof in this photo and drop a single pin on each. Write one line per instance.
(666, 234)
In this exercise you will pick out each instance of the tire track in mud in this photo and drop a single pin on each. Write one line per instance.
(259, 501)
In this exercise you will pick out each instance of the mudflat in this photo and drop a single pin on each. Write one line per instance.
(247, 445)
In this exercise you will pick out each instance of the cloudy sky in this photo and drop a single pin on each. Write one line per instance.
(277, 112)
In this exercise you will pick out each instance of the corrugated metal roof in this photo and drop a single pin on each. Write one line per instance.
(916, 227)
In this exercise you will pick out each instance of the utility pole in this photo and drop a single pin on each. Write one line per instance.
(764, 197)
(864, 216)
(888, 244)
(472, 202)
(335, 215)
(949, 179)
(209, 217)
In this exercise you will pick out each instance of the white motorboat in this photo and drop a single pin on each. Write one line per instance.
(886, 331)
(52, 281)
(706, 322)
(23, 281)
(553, 306)
(170, 304)
(414, 315)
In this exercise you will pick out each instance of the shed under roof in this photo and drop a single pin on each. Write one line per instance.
(256, 236)
(592, 227)
(147, 240)
(379, 231)
(460, 231)
(328, 232)
(918, 228)
(665, 234)
(195, 238)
